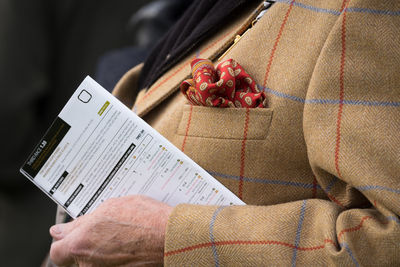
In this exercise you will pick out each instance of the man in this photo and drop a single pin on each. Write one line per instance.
(319, 167)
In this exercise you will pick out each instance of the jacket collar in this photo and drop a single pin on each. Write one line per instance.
(211, 49)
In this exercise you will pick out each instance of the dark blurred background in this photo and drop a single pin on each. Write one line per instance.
(47, 47)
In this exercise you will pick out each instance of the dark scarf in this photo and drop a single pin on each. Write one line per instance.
(201, 19)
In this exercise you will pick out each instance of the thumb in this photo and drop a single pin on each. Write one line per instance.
(59, 231)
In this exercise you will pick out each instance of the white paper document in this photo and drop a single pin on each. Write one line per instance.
(97, 148)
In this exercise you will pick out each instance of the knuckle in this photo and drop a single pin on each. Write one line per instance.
(77, 247)
(53, 251)
(59, 253)
(75, 250)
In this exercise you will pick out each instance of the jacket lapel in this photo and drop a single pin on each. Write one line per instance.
(170, 81)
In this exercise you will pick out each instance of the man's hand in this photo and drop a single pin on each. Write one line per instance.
(122, 231)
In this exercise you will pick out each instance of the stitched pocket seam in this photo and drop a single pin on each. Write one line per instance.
(208, 127)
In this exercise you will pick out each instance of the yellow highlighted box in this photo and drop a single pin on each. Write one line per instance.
(103, 108)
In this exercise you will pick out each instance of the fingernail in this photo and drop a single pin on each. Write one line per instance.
(56, 229)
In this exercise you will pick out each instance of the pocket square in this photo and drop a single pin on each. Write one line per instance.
(227, 85)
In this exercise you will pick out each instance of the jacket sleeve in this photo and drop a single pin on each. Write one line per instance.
(352, 130)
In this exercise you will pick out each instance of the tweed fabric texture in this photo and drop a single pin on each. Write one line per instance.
(319, 168)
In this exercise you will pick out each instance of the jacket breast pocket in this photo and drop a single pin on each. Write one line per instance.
(225, 123)
(226, 142)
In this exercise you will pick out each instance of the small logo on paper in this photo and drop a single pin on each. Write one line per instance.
(84, 96)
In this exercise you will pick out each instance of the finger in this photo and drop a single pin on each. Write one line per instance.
(61, 230)
(57, 231)
(60, 253)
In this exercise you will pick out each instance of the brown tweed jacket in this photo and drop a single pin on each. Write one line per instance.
(320, 167)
